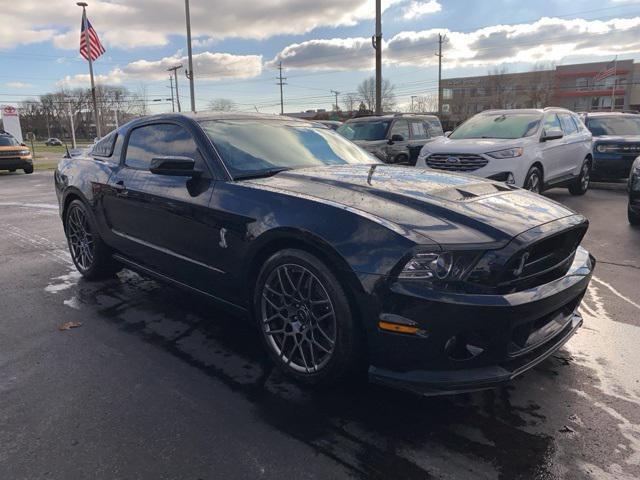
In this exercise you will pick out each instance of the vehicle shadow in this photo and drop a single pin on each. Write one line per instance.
(372, 431)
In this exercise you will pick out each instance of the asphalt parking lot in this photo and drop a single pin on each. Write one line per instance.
(160, 384)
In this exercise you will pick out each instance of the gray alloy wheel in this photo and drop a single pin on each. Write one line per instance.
(81, 242)
(581, 184)
(298, 318)
(533, 182)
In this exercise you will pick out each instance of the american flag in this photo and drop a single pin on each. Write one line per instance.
(95, 47)
(608, 71)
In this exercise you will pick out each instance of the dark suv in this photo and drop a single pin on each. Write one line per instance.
(393, 138)
(616, 143)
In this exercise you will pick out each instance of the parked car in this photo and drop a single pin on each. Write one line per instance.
(633, 211)
(531, 148)
(50, 142)
(430, 281)
(393, 138)
(332, 124)
(14, 155)
(616, 143)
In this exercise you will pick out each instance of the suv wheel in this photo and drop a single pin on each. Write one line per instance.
(581, 184)
(634, 218)
(305, 320)
(533, 180)
(28, 169)
(89, 253)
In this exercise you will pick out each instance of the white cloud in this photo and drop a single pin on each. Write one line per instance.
(418, 8)
(207, 66)
(18, 85)
(126, 24)
(548, 39)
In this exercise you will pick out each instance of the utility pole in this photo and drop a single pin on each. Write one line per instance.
(412, 98)
(189, 74)
(336, 94)
(173, 105)
(73, 127)
(93, 85)
(377, 44)
(175, 75)
(441, 40)
(281, 82)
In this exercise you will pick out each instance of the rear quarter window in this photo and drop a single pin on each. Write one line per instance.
(104, 147)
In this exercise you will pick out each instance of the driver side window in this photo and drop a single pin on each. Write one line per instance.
(401, 127)
(551, 122)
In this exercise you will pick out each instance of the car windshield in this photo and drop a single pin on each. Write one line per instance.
(614, 125)
(252, 147)
(7, 141)
(498, 125)
(365, 130)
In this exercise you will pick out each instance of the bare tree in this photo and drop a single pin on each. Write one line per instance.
(367, 91)
(350, 102)
(501, 90)
(540, 88)
(222, 105)
(425, 103)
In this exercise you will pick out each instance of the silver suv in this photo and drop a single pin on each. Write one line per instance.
(393, 138)
(531, 148)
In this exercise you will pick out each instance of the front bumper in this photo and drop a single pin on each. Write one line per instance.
(513, 170)
(15, 163)
(506, 334)
(611, 166)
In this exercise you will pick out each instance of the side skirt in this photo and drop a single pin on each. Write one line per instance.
(229, 306)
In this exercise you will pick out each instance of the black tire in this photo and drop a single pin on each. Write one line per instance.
(91, 256)
(28, 169)
(634, 218)
(581, 184)
(299, 324)
(534, 180)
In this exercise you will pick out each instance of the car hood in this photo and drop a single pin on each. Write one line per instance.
(445, 208)
(471, 145)
(617, 138)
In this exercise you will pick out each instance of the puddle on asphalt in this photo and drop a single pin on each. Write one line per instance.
(372, 431)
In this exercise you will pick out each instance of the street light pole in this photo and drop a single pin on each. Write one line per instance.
(93, 85)
(377, 44)
(336, 93)
(190, 72)
(412, 98)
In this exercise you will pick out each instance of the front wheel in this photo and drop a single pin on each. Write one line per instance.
(305, 320)
(28, 170)
(581, 184)
(533, 180)
(89, 253)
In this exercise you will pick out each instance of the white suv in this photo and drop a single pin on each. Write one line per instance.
(531, 148)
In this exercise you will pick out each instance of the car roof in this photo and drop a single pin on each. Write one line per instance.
(373, 118)
(538, 111)
(610, 114)
(215, 115)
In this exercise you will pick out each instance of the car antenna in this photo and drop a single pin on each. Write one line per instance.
(67, 148)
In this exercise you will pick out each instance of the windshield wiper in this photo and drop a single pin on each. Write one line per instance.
(270, 172)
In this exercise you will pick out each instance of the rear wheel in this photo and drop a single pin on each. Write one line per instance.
(305, 320)
(581, 184)
(634, 218)
(89, 253)
(533, 180)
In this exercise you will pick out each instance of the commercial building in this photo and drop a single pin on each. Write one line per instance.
(580, 87)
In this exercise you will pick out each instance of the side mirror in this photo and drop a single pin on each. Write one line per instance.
(447, 133)
(23, 144)
(554, 134)
(175, 166)
(396, 137)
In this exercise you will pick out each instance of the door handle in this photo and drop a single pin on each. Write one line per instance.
(120, 188)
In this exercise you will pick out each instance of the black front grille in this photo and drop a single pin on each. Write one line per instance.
(543, 261)
(9, 153)
(456, 162)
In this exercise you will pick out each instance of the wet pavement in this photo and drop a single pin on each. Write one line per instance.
(157, 383)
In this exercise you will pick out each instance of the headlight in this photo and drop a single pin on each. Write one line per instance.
(439, 267)
(24, 153)
(606, 148)
(507, 153)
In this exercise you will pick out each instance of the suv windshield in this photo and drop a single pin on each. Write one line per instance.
(614, 125)
(252, 147)
(365, 130)
(7, 141)
(498, 126)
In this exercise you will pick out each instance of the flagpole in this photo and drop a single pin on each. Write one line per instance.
(93, 85)
(613, 88)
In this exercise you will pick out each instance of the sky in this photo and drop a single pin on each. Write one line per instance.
(323, 45)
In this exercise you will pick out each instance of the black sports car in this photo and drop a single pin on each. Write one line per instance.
(633, 211)
(433, 282)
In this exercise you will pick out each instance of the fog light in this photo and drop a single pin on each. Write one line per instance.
(465, 346)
